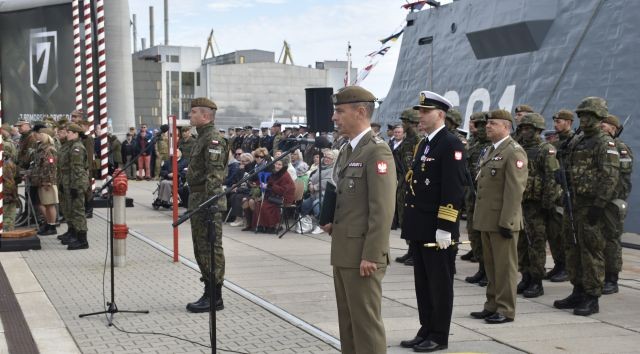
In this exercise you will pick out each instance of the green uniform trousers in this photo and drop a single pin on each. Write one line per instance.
(585, 260)
(201, 244)
(501, 265)
(76, 216)
(359, 311)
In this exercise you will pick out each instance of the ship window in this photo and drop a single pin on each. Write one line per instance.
(409, 23)
(425, 40)
(454, 27)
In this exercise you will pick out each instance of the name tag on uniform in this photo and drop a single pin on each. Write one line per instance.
(355, 164)
(497, 158)
(215, 151)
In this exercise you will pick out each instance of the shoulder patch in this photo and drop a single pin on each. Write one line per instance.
(519, 164)
(611, 143)
(457, 155)
(382, 167)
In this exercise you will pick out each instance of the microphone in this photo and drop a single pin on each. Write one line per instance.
(163, 129)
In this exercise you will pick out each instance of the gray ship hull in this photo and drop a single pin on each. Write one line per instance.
(485, 54)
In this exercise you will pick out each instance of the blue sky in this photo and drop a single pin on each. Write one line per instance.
(315, 29)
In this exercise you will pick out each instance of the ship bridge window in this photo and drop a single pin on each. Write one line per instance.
(409, 23)
(454, 27)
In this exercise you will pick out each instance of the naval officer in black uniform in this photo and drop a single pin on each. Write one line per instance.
(434, 196)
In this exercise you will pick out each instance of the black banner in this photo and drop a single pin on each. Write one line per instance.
(36, 61)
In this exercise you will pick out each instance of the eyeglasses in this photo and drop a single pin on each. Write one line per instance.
(259, 157)
(238, 154)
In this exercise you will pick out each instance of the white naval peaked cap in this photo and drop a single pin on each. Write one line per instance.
(432, 100)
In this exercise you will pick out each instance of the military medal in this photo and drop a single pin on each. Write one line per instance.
(352, 184)
(493, 172)
(427, 181)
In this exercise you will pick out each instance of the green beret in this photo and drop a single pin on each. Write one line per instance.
(500, 114)
(352, 94)
(564, 114)
(410, 115)
(524, 108)
(73, 127)
(613, 120)
(203, 102)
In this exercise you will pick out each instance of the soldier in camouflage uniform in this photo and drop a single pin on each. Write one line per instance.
(592, 165)
(44, 176)
(616, 211)
(477, 145)
(206, 173)
(89, 144)
(162, 153)
(11, 179)
(74, 172)
(562, 122)
(538, 203)
(452, 122)
(186, 143)
(405, 151)
(63, 205)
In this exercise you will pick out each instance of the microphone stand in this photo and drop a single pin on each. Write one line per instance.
(210, 206)
(112, 308)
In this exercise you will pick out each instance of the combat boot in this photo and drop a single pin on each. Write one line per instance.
(47, 230)
(524, 283)
(467, 256)
(476, 278)
(80, 243)
(588, 306)
(570, 301)
(553, 271)
(535, 289)
(560, 276)
(610, 283)
(202, 304)
(71, 236)
(219, 303)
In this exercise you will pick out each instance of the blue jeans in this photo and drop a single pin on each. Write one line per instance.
(310, 205)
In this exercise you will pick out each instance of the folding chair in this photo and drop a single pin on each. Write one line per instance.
(292, 208)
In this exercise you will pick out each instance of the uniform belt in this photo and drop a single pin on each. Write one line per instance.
(198, 188)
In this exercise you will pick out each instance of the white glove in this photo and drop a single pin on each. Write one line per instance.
(443, 239)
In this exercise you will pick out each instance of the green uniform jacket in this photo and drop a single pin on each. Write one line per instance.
(208, 163)
(365, 184)
(186, 145)
(542, 166)
(501, 180)
(45, 166)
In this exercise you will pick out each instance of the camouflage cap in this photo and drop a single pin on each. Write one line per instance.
(500, 114)
(524, 108)
(533, 119)
(478, 117)
(613, 120)
(73, 127)
(454, 116)
(563, 114)
(595, 105)
(203, 102)
(410, 115)
(352, 94)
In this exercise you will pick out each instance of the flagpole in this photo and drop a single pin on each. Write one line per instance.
(348, 64)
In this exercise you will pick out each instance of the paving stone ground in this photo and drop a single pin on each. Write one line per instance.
(74, 283)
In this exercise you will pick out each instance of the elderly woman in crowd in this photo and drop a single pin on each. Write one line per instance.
(311, 204)
(279, 189)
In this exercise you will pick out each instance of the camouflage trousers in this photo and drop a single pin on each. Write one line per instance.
(612, 232)
(556, 237)
(474, 235)
(75, 212)
(201, 244)
(532, 253)
(585, 260)
(63, 203)
(9, 216)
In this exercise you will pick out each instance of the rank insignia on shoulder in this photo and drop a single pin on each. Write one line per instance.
(382, 167)
(519, 164)
(378, 140)
(355, 164)
(611, 143)
(457, 155)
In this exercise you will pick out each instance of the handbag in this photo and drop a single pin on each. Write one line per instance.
(276, 199)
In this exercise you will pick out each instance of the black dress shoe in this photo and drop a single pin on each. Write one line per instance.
(409, 262)
(467, 256)
(427, 346)
(411, 342)
(498, 318)
(403, 259)
(482, 314)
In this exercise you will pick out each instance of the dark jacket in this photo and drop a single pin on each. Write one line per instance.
(167, 167)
